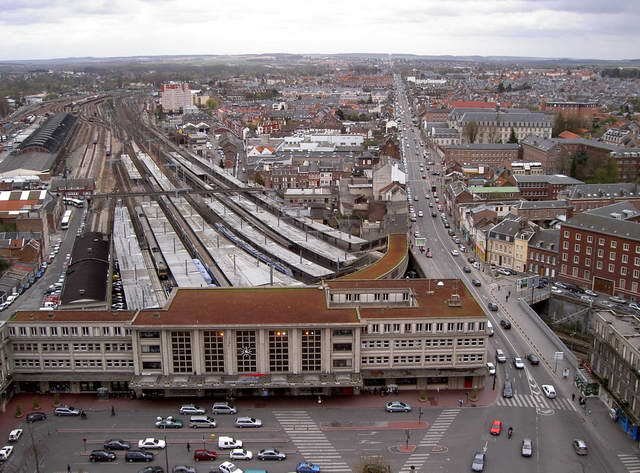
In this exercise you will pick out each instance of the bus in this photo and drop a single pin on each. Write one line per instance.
(74, 202)
(66, 218)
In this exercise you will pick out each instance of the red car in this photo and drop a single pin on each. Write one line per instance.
(204, 455)
(496, 427)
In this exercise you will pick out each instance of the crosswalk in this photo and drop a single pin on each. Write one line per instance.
(310, 441)
(531, 400)
(431, 439)
(630, 462)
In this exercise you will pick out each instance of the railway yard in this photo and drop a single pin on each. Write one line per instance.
(177, 219)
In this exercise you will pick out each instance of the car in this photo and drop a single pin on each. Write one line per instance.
(491, 368)
(518, 363)
(271, 454)
(420, 213)
(505, 324)
(557, 290)
(152, 443)
(549, 391)
(202, 454)
(168, 423)
(116, 444)
(634, 306)
(533, 359)
(228, 467)
(478, 461)
(223, 408)
(526, 450)
(500, 356)
(397, 406)
(607, 304)
(5, 452)
(496, 427)
(240, 454)
(152, 469)
(455, 253)
(503, 271)
(183, 469)
(102, 456)
(493, 307)
(15, 435)
(471, 259)
(580, 446)
(617, 299)
(591, 293)
(242, 422)
(416, 234)
(507, 390)
(586, 299)
(307, 467)
(66, 411)
(466, 269)
(36, 416)
(476, 283)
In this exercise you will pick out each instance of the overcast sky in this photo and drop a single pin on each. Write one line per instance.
(544, 28)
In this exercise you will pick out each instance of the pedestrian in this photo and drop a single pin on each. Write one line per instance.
(113, 411)
(68, 468)
(573, 396)
(188, 447)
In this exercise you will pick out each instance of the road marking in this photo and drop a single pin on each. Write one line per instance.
(630, 462)
(528, 400)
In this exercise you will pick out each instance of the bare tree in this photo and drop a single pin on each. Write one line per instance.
(470, 131)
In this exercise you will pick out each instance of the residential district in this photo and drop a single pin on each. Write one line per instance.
(420, 265)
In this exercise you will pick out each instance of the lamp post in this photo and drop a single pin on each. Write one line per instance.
(166, 454)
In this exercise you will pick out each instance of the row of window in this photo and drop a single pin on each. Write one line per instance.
(80, 347)
(426, 327)
(418, 359)
(419, 343)
(601, 241)
(66, 331)
(66, 364)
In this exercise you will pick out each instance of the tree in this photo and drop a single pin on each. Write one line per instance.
(4, 107)
(212, 103)
(559, 125)
(500, 88)
(512, 137)
(470, 131)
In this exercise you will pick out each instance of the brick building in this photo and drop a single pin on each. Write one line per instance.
(591, 196)
(543, 186)
(600, 249)
(490, 155)
(543, 254)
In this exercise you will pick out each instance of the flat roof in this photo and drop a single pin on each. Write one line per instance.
(397, 248)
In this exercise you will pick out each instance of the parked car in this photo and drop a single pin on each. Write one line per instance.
(476, 283)
(397, 406)
(271, 454)
(66, 411)
(138, 456)
(152, 443)
(455, 253)
(478, 461)
(240, 454)
(203, 454)
(505, 324)
(591, 293)
(491, 368)
(36, 416)
(466, 269)
(102, 456)
(580, 447)
(527, 448)
(496, 427)
(242, 422)
(307, 467)
(116, 444)
(183, 469)
(223, 408)
(151, 469)
(15, 435)
(228, 467)
(5, 452)
(533, 359)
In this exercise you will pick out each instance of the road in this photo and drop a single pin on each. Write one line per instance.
(544, 418)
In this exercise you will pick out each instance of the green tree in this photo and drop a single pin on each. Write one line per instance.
(212, 104)
(559, 125)
(470, 131)
(512, 137)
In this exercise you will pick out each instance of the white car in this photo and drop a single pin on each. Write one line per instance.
(152, 443)
(491, 368)
(228, 467)
(191, 410)
(549, 391)
(455, 253)
(242, 422)
(518, 363)
(420, 213)
(5, 452)
(15, 435)
(241, 454)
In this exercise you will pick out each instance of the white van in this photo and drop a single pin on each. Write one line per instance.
(202, 422)
(229, 442)
(489, 329)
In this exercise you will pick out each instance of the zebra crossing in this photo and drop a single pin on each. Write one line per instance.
(630, 462)
(431, 439)
(310, 441)
(531, 400)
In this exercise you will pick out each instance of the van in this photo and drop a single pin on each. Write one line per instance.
(202, 422)
(489, 329)
(229, 442)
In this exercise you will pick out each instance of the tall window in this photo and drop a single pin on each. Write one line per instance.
(311, 350)
(181, 351)
(246, 351)
(278, 350)
(213, 351)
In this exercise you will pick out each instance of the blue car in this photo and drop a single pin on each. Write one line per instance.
(306, 467)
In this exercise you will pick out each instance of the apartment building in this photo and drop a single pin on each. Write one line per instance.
(507, 243)
(495, 126)
(493, 155)
(600, 249)
(543, 252)
(543, 186)
(175, 97)
(340, 337)
(591, 196)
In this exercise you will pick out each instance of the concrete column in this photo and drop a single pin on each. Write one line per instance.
(197, 351)
(135, 347)
(326, 350)
(230, 351)
(165, 347)
(356, 350)
(262, 351)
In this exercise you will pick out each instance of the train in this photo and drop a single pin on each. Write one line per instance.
(159, 262)
(252, 251)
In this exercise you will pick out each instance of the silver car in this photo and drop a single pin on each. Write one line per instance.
(478, 461)
(527, 448)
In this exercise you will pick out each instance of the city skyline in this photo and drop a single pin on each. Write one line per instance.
(35, 29)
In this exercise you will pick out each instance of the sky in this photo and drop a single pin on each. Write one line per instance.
(599, 29)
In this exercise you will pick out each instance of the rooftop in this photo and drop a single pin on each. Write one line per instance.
(610, 220)
(493, 190)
